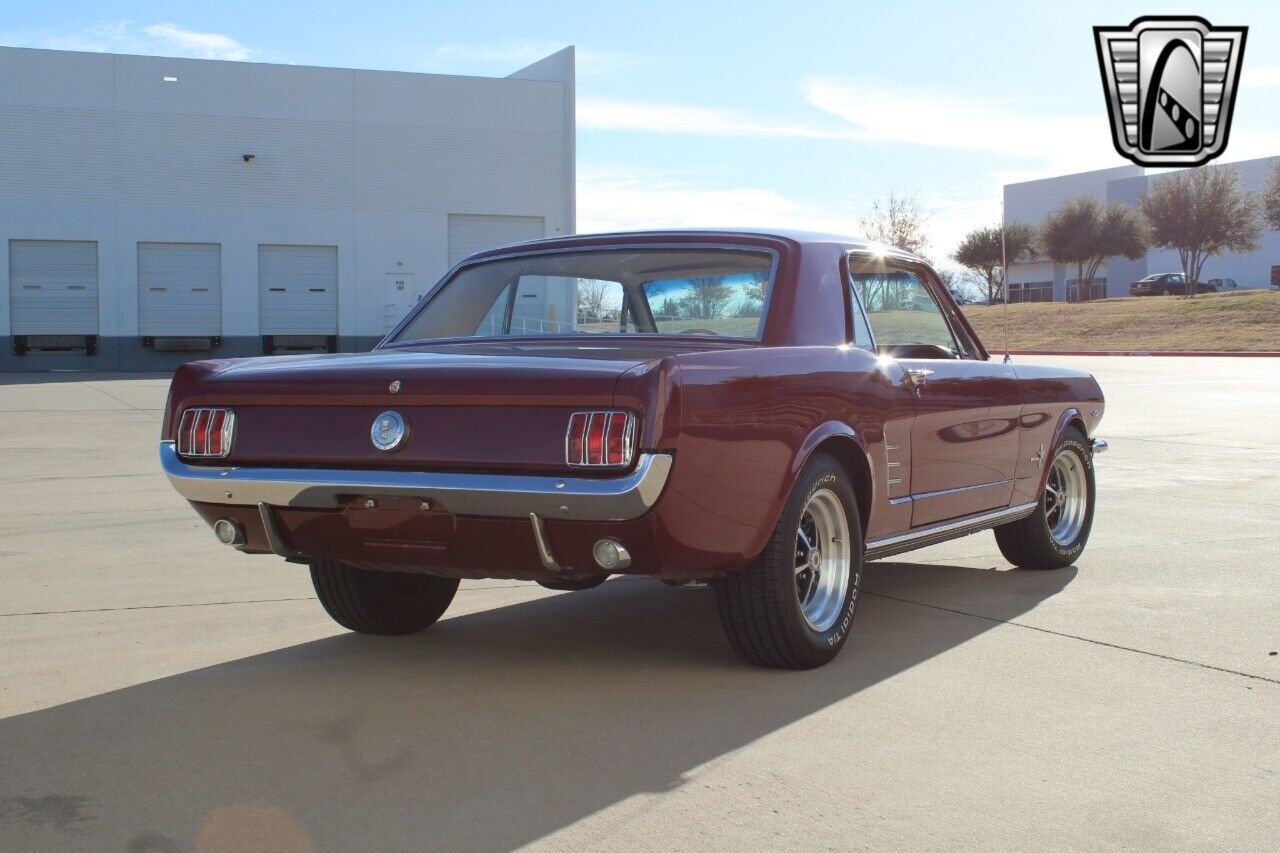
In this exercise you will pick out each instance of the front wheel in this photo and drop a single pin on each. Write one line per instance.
(1054, 535)
(372, 602)
(793, 606)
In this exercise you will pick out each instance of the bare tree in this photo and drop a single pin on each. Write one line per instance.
(1271, 197)
(982, 251)
(897, 221)
(591, 298)
(962, 284)
(1201, 213)
(1085, 232)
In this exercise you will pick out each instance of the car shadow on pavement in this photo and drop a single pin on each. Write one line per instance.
(489, 731)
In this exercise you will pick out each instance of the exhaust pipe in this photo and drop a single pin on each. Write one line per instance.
(229, 532)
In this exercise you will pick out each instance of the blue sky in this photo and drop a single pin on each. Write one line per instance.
(793, 114)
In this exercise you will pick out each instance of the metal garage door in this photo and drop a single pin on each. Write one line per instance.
(298, 290)
(469, 234)
(180, 289)
(53, 287)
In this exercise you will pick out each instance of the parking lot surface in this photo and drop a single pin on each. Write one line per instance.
(159, 691)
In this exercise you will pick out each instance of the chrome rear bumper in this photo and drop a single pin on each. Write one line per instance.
(501, 495)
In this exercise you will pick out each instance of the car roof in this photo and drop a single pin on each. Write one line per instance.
(702, 235)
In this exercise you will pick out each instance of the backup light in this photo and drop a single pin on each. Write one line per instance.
(206, 433)
(600, 439)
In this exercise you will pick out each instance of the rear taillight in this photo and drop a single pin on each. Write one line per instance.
(206, 432)
(601, 439)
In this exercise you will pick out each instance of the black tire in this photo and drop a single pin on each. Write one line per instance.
(760, 605)
(372, 602)
(1029, 543)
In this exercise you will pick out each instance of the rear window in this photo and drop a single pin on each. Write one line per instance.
(683, 291)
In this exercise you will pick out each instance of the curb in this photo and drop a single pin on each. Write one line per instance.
(1174, 353)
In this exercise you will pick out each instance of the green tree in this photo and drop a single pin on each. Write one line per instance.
(708, 297)
(754, 292)
(1201, 213)
(1084, 232)
(983, 251)
(1271, 197)
(669, 309)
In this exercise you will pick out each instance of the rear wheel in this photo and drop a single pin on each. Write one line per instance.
(373, 602)
(1054, 535)
(793, 606)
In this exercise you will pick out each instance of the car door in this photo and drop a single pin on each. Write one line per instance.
(964, 435)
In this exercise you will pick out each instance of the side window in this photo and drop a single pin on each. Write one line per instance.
(904, 316)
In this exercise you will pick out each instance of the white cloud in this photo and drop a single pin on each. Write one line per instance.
(507, 52)
(940, 119)
(604, 114)
(161, 39)
(199, 45)
(1039, 144)
(615, 199)
(620, 200)
(870, 111)
(517, 53)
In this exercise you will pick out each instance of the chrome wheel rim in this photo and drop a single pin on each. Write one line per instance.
(1066, 498)
(824, 558)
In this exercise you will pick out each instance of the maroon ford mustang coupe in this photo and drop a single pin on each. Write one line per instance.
(763, 412)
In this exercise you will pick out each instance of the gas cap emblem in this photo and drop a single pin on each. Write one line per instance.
(389, 431)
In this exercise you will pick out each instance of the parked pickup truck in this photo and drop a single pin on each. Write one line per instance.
(760, 412)
(1166, 284)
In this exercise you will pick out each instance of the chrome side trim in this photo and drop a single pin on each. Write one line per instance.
(878, 549)
(958, 489)
(501, 495)
(544, 546)
(1099, 445)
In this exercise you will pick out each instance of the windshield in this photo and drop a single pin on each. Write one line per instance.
(693, 291)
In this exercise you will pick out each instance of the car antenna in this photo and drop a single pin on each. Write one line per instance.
(1004, 284)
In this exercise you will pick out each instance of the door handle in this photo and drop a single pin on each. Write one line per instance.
(918, 375)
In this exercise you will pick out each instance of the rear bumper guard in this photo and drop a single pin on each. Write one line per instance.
(500, 495)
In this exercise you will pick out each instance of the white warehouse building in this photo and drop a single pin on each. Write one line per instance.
(1040, 280)
(155, 211)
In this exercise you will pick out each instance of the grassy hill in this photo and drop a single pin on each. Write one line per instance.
(1237, 322)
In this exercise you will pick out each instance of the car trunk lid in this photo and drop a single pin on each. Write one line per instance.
(466, 408)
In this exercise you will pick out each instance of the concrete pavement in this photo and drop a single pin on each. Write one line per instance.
(159, 691)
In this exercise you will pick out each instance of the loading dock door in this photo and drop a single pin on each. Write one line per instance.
(53, 287)
(469, 234)
(298, 290)
(179, 290)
